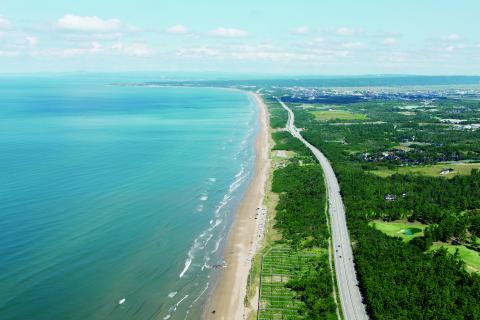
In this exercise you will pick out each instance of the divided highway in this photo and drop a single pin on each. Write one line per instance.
(350, 297)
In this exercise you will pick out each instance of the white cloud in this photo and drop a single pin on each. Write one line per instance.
(4, 23)
(390, 41)
(31, 41)
(90, 49)
(264, 55)
(395, 58)
(8, 53)
(178, 29)
(198, 52)
(453, 37)
(301, 30)
(96, 48)
(265, 51)
(353, 45)
(72, 22)
(344, 31)
(451, 48)
(343, 53)
(134, 49)
(229, 33)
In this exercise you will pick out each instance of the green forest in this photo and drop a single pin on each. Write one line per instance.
(405, 280)
(301, 220)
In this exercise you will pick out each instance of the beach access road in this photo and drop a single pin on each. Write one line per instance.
(349, 292)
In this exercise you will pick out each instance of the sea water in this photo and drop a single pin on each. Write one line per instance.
(115, 201)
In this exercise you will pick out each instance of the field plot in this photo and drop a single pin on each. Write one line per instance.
(279, 265)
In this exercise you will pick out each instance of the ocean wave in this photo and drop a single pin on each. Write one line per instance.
(196, 300)
(205, 263)
(217, 245)
(222, 204)
(174, 308)
(201, 241)
(200, 295)
(188, 262)
(240, 176)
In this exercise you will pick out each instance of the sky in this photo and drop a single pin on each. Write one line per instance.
(302, 37)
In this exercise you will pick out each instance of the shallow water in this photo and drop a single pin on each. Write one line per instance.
(110, 193)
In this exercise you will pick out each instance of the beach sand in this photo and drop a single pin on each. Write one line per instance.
(227, 298)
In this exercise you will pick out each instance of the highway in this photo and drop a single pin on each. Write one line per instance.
(349, 292)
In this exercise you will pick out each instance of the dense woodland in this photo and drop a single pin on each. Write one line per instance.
(302, 193)
(402, 280)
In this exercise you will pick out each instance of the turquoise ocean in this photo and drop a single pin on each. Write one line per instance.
(112, 192)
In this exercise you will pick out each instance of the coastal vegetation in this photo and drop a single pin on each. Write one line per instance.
(389, 169)
(278, 116)
(296, 280)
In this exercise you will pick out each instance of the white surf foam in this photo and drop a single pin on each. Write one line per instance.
(174, 308)
(217, 245)
(188, 262)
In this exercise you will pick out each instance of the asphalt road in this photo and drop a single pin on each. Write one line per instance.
(350, 296)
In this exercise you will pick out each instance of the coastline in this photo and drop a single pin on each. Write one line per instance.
(226, 301)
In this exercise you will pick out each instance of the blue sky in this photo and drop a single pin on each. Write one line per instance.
(279, 37)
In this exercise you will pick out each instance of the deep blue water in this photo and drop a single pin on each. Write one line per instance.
(110, 192)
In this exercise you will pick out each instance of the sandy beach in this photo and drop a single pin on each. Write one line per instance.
(227, 298)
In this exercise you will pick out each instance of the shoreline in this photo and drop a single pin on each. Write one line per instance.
(226, 301)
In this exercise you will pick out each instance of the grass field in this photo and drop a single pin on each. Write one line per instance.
(400, 229)
(470, 257)
(432, 170)
(338, 115)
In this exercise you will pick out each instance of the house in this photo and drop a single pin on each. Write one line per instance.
(456, 242)
(390, 197)
(446, 171)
